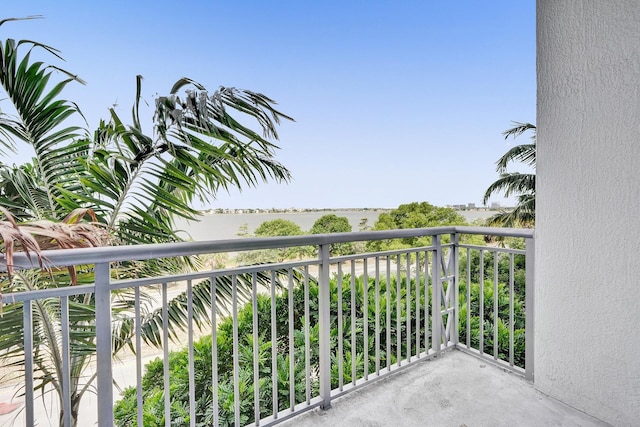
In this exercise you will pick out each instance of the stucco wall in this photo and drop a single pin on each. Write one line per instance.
(588, 206)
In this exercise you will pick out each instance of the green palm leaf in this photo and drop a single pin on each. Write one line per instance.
(514, 183)
(522, 185)
(39, 119)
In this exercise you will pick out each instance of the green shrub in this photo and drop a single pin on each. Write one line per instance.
(401, 310)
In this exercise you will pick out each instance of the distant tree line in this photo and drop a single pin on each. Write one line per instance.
(411, 215)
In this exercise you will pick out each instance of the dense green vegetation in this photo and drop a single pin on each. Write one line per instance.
(488, 291)
(329, 223)
(413, 215)
(278, 227)
(332, 223)
(397, 295)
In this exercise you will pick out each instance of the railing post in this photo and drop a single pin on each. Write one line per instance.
(529, 321)
(324, 297)
(103, 345)
(436, 285)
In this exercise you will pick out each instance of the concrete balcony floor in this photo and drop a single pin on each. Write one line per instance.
(453, 390)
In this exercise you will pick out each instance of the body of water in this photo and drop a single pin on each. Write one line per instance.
(226, 226)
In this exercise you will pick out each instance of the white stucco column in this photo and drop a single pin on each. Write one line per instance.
(588, 206)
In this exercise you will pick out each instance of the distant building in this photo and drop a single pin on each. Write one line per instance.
(495, 205)
(471, 205)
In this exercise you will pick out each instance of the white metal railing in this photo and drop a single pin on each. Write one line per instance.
(374, 313)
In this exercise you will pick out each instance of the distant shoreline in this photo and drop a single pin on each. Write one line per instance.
(243, 211)
(226, 225)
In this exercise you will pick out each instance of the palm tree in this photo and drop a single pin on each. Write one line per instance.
(131, 184)
(521, 185)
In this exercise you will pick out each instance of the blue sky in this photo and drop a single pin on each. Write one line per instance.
(394, 101)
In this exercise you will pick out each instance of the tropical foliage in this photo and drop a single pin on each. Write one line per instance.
(484, 269)
(130, 182)
(273, 228)
(413, 215)
(153, 379)
(350, 294)
(332, 223)
(278, 227)
(520, 185)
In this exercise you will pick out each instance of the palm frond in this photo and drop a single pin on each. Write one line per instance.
(511, 184)
(21, 193)
(13, 236)
(2, 21)
(522, 185)
(153, 323)
(523, 153)
(142, 183)
(40, 115)
(519, 129)
(523, 215)
(34, 236)
(201, 131)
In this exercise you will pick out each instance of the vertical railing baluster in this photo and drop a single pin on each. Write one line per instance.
(398, 312)
(66, 361)
(427, 300)
(325, 327)
(436, 310)
(481, 305)
(274, 348)
(529, 308)
(165, 352)
(191, 361)
(236, 351)
(103, 345)
(468, 331)
(27, 321)
(307, 340)
(377, 316)
(408, 306)
(365, 318)
(511, 326)
(138, 332)
(417, 324)
(353, 323)
(388, 320)
(496, 346)
(292, 355)
(214, 351)
(256, 349)
(340, 330)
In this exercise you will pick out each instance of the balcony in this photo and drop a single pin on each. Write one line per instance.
(444, 330)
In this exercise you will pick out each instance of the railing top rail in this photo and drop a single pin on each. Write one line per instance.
(65, 257)
(497, 231)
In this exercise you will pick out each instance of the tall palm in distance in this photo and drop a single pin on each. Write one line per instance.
(520, 185)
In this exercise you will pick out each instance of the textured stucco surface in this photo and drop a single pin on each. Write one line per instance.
(588, 207)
